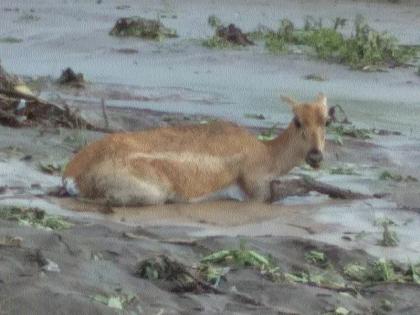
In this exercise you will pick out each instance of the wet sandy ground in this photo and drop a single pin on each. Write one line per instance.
(179, 76)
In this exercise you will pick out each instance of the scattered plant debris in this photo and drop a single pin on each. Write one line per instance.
(142, 28)
(114, 301)
(386, 175)
(243, 258)
(341, 311)
(214, 21)
(316, 257)
(343, 170)
(379, 271)
(13, 241)
(212, 274)
(51, 168)
(389, 237)
(170, 275)
(255, 116)
(34, 217)
(356, 272)
(316, 77)
(70, 78)
(414, 273)
(269, 134)
(10, 40)
(28, 18)
(226, 36)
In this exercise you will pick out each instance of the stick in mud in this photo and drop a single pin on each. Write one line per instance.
(302, 186)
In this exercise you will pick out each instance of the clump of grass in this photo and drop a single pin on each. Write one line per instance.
(383, 270)
(368, 47)
(275, 43)
(269, 134)
(242, 257)
(338, 131)
(356, 272)
(315, 77)
(34, 217)
(342, 170)
(217, 42)
(316, 257)
(142, 28)
(414, 273)
(76, 139)
(386, 175)
(365, 49)
(305, 277)
(214, 21)
(10, 40)
(51, 167)
(212, 274)
(389, 237)
(380, 270)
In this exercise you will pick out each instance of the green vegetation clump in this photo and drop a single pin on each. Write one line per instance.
(10, 40)
(389, 237)
(269, 134)
(381, 270)
(142, 28)
(365, 49)
(338, 131)
(214, 21)
(343, 170)
(218, 43)
(316, 257)
(34, 217)
(114, 301)
(238, 258)
(386, 175)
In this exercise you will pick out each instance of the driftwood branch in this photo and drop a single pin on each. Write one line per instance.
(41, 112)
(302, 186)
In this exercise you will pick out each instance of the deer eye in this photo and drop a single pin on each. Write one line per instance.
(297, 122)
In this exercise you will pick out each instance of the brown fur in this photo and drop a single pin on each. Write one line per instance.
(186, 163)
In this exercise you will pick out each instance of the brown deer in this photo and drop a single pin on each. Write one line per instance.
(218, 160)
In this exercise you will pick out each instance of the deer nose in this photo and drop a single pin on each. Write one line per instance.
(314, 158)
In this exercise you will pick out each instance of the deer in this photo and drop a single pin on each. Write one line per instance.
(197, 162)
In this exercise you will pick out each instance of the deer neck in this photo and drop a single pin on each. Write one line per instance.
(286, 151)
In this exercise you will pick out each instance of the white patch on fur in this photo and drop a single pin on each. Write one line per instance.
(70, 186)
(234, 192)
(206, 161)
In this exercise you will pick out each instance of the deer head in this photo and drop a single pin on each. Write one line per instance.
(308, 127)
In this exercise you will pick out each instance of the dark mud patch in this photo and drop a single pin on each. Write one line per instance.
(72, 79)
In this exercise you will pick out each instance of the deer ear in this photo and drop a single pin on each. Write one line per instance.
(322, 99)
(290, 101)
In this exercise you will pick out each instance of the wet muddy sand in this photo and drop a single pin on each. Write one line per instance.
(179, 81)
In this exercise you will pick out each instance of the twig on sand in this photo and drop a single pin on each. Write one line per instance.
(104, 113)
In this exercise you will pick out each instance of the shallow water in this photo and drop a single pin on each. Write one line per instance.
(238, 81)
